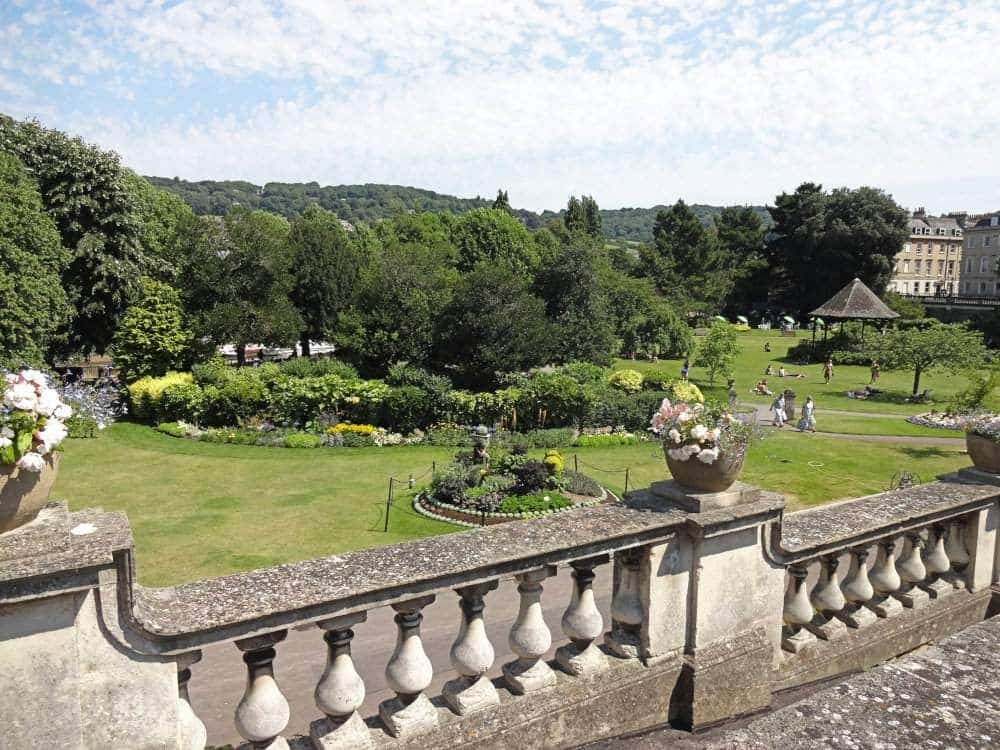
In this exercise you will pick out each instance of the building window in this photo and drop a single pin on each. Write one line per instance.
(986, 241)
(906, 247)
(927, 287)
(906, 287)
(984, 264)
(920, 247)
(906, 266)
(940, 266)
(982, 287)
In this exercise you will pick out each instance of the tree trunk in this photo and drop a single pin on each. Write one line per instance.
(916, 380)
(241, 355)
(305, 347)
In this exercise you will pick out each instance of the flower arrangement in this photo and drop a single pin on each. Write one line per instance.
(986, 427)
(32, 418)
(689, 430)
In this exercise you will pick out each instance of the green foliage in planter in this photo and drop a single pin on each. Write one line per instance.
(534, 503)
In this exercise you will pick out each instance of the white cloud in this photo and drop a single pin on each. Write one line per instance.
(714, 100)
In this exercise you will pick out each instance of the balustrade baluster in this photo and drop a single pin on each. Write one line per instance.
(957, 552)
(262, 713)
(193, 735)
(828, 600)
(626, 605)
(937, 562)
(885, 580)
(530, 638)
(472, 656)
(408, 674)
(582, 623)
(858, 591)
(340, 690)
(797, 612)
(913, 572)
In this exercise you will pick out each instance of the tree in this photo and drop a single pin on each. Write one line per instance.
(494, 324)
(487, 234)
(164, 225)
(643, 322)
(741, 233)
(151, 339)
(949, 346)
(401, 294)
(33, 305)
(326, 265)
(820, 241)
(576, 304)
(237, 280)
(718, 350)
(502, 202)
(591, 216)
(908, 309)
(575, 218)
(89, 195)
(687, 261)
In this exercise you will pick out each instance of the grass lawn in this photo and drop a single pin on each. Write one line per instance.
(865, 425)
(200, 510)
(753, 360)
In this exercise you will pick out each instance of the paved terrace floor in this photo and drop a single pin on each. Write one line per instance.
(940, 696)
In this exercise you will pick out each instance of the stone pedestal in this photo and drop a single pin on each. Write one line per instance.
(407, 721)
(584, 662)
(696, 501)
(350, 734)
(467, 695)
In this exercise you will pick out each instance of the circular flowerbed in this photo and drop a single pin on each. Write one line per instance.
(947, 421)
(477, 489)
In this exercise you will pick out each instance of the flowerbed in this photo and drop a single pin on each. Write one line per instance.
(477, 488)
(946, 421)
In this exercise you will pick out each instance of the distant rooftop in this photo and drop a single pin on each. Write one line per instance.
(855, 302)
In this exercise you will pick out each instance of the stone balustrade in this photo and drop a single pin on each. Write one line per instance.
(711, 612)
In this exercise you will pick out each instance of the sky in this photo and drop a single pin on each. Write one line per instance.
(636, 103)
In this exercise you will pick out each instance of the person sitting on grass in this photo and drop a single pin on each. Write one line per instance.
(767, 346)
(783, 373)
(769, 371)
(761, 388)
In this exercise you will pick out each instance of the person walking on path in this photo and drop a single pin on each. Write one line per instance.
(828, 370)
(876, 371)
(731, 393)
(685, 368)
(808, 421)
(778, 407)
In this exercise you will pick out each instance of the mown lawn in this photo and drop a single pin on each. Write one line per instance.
(867, 425)
(200, 510)
(753, 361)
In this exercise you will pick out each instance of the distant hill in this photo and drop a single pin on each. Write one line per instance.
(368, 203)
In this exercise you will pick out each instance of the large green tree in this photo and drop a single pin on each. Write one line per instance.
(237, 280)
(687, 262)
(489, 234)
(926, 346)
(165, 222)
(33, 305)
(90, 196)
(151, 339)
(325, 263)
(820, 241)
(741, 233)
(401, 294)
(494, 324)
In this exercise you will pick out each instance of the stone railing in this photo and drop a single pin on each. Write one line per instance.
(718, 600)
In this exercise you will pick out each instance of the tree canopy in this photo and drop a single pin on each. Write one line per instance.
(927, 346)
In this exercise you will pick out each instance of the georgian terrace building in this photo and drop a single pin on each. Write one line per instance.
(931, 258)
(979, 276)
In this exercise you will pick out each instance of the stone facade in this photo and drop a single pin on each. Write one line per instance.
(980, 277)
(931, 259)
(718, 602)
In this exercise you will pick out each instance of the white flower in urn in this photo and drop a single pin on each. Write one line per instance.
(31, 461)
(699, 432)
(674, 436)
(708, 455)
(21, 396)
(48, 402)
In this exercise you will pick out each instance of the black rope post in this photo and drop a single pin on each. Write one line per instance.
(434, 469)
(576, 463)
(626, 482)
(388, 504)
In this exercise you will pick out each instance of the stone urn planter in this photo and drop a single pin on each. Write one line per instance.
(23, 493)
(717, 476)
(985, 454)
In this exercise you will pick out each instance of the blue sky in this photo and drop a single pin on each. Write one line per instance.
(642, 102)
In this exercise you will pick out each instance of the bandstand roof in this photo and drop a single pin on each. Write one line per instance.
(855, 302)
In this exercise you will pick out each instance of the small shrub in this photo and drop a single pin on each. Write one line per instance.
(356, 429)
(686, 391)
(511, 462)
(182, 401)
(407, 408)
(534, 503)
(605, 441)
(357, 439)
(554, 463)
(629, 381)
(213, 372)
(448, 435)
(301, 367)
(581, 484)
(658, 380)
(145, 393)
(531, 477)
(301, 440)
(172, 428)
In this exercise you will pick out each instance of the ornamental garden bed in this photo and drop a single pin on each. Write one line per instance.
(477, 489)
